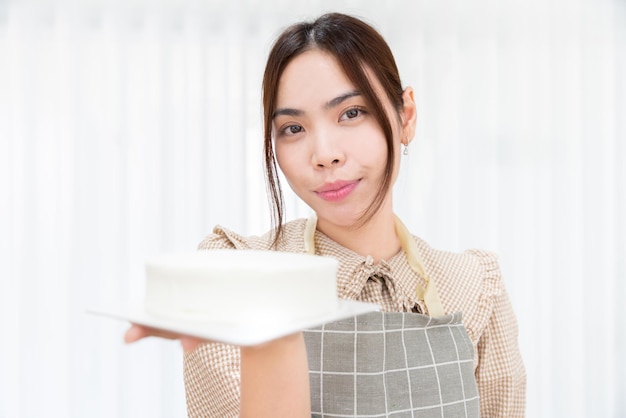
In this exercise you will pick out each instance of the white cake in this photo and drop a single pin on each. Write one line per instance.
(238, 286)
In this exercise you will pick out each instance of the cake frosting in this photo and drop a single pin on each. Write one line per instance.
(240, 286)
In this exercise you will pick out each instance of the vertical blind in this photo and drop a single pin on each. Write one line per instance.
(132, 128)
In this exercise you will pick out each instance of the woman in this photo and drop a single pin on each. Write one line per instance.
(335, 117)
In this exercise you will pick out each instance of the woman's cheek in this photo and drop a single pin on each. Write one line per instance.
(286, 158)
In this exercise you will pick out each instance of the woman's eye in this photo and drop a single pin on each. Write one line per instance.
(352, 113)
(292, 130)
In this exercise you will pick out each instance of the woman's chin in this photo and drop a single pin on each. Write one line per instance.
(341, 220)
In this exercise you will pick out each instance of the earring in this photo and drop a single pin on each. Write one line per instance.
(406, 149)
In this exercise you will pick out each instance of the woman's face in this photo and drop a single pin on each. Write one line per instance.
(330, 149)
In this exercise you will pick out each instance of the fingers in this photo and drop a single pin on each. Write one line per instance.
(138, 332)
(135, 333)
(190, 343)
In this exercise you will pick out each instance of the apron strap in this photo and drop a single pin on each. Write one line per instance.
(429, 295)
(309, 234)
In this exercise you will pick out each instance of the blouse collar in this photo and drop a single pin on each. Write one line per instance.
(355, 269)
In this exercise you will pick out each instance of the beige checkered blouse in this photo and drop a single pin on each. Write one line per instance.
(469, 282)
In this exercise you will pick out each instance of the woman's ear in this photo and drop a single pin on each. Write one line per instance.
(409, 115)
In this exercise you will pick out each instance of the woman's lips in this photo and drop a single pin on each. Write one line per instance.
(337, 190)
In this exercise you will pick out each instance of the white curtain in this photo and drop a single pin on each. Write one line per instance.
(132, 128)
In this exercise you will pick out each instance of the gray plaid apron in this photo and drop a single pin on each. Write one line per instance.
(392, 364)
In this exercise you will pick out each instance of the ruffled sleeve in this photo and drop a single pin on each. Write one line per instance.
(222, 239)
(500, 372)
(490, 287)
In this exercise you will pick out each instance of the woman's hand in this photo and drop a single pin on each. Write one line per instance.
(137, 332)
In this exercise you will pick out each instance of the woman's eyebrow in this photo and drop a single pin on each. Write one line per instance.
(287, 112)
(340, 99)
(328, 105)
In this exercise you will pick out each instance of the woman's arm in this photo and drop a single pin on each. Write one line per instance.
(275, 379)
(500, 374)
(274, 375)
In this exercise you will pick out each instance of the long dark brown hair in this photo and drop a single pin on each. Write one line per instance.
(356, 46)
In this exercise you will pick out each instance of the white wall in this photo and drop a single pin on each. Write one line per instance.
(129, 128)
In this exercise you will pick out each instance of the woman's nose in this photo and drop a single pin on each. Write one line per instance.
(326, 152)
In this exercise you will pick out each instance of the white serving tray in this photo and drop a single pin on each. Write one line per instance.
(245, 334)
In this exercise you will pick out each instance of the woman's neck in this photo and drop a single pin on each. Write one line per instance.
(377, 238)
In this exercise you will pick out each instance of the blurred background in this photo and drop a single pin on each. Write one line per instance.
(130, 128)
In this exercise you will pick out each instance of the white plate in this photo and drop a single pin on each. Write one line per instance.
(237, 334)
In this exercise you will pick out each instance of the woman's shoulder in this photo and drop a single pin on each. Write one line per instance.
(473, 264)
(224, 238)
(467, 282)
